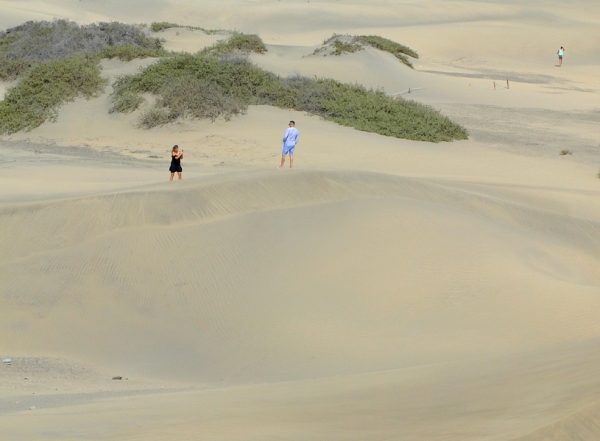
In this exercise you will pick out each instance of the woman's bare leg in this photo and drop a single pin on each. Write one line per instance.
(171, 178)
(179, 175)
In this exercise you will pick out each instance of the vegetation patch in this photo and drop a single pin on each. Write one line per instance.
(23, 46)
(231, 84)
(162, 25)
(158, 26)
(11, 69)
(237, 43)
(241, 80)
(37, 97)
(341, 47)
(364, 109)
(338, 45)
(396, 49)
(190, 96)
(128, 53)
(59, 61)
(127, 102)
(341, 44)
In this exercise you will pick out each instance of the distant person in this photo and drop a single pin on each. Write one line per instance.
(176, 157)
(560, 53)
(290, 139)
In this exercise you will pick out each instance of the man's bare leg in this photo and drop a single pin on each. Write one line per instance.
(282, 162)
(171, 178)
(291, 161)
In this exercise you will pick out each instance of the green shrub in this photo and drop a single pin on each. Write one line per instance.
(319, 50)
(398, 50)
(208, 86)
(189, 96)
(161, 26)
(374, 111)
(341, 44)
(242, 81)
(11, 69)
(126, 102)
(363, 109)
(340, 47)
(238, 42)
(128, 53)
(37, 97)
(6, 39)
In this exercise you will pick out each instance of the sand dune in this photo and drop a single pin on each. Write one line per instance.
(383, 289)
(468, 400)
(443, 290)
(394, 265)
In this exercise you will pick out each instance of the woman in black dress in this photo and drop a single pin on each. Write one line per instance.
(176, 156)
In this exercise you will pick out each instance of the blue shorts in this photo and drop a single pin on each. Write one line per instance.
(288, 149)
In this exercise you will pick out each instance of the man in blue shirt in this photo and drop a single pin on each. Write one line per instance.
(290, 139)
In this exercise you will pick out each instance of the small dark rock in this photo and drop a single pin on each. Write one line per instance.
(117, 378)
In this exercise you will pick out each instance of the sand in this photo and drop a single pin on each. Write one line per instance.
(382, 289)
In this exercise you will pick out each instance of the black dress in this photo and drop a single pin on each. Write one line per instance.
(175, 165)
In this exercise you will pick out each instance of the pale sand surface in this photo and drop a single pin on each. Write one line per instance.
(383, 289)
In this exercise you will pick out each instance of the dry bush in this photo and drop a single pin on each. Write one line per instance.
(235, 58)
(35, 41)
(154, 117)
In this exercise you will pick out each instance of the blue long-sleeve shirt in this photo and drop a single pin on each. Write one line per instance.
(290, 139)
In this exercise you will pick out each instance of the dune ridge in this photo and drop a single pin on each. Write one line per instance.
(204, 262)
(220, 196)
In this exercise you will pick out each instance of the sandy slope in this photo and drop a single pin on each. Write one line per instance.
(465, 299)
(384, 289)
(451, 401)
(257, 288)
